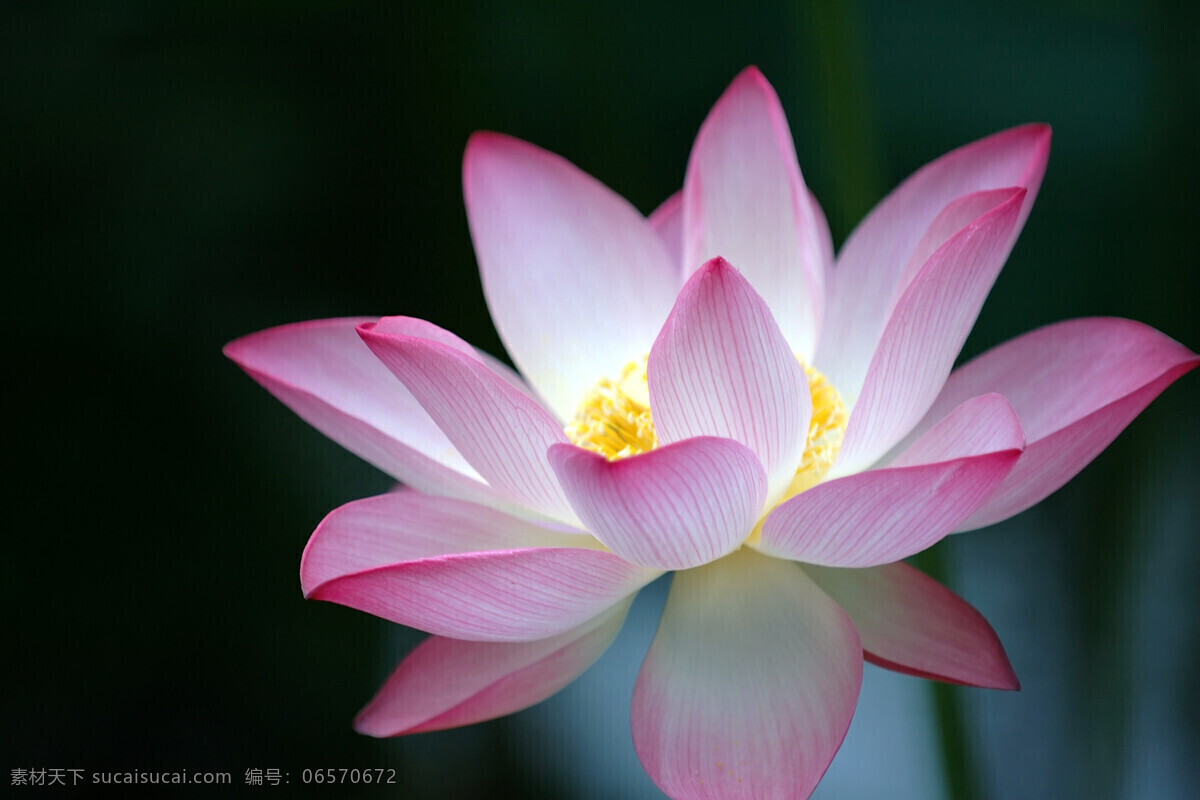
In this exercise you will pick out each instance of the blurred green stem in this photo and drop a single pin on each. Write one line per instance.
(832, 33)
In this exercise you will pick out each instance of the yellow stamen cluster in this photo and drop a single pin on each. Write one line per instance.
(614, 419)
(825, 432)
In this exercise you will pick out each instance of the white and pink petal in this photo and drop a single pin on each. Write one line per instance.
(674, 507)
(750, 684)
(744, 199)
(883, 515)
(928, 326)
(874, 260)
(1075, 385)
(551, 242)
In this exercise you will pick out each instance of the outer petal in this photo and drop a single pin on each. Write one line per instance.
(928, 327)
(744, 199)
(721, 367)
(446, 683)
(324, 372)
(884, 515)
(501, 431)
(872, 263)
(674, 507)
(750, 684)
(667, 220)
(1075, 385)
(551, 242)
(461, 570)
(912, 624)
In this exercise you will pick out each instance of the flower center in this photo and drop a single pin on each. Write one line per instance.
(614, 418)
(614, 421)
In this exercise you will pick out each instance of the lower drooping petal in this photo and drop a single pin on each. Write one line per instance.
(749, 687)
(911, 623)
(674, 507)
(446, 683)
(884, 515)
(459, 570)
(1075, 385)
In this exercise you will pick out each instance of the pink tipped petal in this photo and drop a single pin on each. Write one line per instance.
(460, 570)
(667, 220)
(750, 684)
(324, 372)
(927, 329)
(721, 367)
(406, 525)
(1075, 385)
(577, 281)
(447, 683)
(744, 199)
(912, 624)
(501, 431)
(872, 264)
(884, 515)
(674, 507)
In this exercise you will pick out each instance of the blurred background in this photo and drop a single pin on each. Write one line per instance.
(175, 176)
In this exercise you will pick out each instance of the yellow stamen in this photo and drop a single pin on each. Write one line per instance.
(614, 419)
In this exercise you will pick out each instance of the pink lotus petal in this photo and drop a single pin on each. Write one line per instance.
(910, 623)
(456, 569)
(1075, 385)
(721, 367)
(446, 683)
(750, 684)
(744, 199)
(405, 525)
(927, 329)
(884, 515)
(501, 431)
(667, 220)
(324, 372)
(870, 267)
(577, 281)
(674, 507)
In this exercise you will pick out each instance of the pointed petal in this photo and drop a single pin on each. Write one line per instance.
(750, 684)
(501, 431)
(927, 329)
(667, 221)
(884, 515)
(912, 624)
(447, 683)
(324, 372)
(1075, 385)
(461, 570)
(744, 199)
(721, 367)
(674, 507)
(551, 241)
(872, 262)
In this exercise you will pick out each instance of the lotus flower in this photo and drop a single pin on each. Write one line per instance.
(705, 391)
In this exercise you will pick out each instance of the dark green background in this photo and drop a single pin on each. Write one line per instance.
(175, 176)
